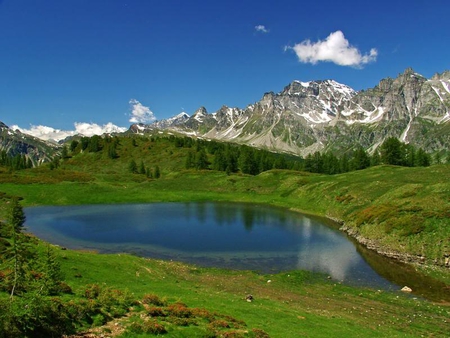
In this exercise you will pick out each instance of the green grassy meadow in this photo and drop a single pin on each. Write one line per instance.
(399, 211)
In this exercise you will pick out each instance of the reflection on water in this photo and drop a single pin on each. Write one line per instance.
(240, 236)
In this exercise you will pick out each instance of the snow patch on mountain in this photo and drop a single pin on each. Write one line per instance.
(446, 86)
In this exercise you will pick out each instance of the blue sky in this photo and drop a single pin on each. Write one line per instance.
(92, 62)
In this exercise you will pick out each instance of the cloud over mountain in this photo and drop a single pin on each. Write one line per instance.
(81, 128)
(140, 113)
(335, 48)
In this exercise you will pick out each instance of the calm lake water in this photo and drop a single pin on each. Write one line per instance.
(229, 235)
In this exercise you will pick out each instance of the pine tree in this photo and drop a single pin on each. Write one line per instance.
(51, 273)
(148, 173)
(16, 216)
(392, 152)
(189, 163)
(112, 151)
(375, 159)
(142, 168)
(410, 155)
(219, 162)
(247, 161)
(132, 167)
(157, 172)
(18, 251)
(360, 159)
(423, 159)
(95, 144)
(330, 164)
(231, 159)
(64, 152)
(73, 145)
(201, 160)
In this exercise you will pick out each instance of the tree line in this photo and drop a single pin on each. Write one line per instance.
(391, 152)
(232, 158)
(16, 162)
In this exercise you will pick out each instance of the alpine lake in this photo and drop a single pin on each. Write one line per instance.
(227, 235)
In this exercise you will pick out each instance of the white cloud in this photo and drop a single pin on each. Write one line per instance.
(261, 28)
(81, 128)
(140, 113)
(335, 48)
(90, 129)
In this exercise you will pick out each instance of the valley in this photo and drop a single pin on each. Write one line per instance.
(401, 212)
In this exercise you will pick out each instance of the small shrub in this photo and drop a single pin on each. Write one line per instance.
(233, 334)
(153, 299)
(344, 199)
(258, 333)
(148, 327)
(156, 312)
(219, 324)
(179, 310)
(375, 214)
(64, 288)
(182, 321)
(406, 225)
(203, 313)
(98, 320)
(92, 291)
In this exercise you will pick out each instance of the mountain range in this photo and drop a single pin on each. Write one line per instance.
(14, 142)
(329, 116)
(306, 117)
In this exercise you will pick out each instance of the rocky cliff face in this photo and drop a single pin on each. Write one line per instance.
(14, 142)
(325, 115)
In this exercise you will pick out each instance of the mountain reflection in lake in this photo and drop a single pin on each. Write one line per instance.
(229, 235)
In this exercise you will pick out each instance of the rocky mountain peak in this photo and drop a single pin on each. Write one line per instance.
(319, 88)
(443, 76)
(200, 114)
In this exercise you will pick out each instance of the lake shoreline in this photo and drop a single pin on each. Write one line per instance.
(387, 252)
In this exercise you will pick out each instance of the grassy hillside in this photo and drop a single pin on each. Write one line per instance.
(401, 211)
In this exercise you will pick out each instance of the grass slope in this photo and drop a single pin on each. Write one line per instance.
(293, 304)
(400, 210)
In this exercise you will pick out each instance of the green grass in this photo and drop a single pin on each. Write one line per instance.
(399, 210)
(293, 304)
(403, 210)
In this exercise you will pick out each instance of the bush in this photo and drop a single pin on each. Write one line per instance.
(148, 326)
(376, 214)
(258, 333)
(406, 225)
(179, 310)
(153, 299)
(36, 316)
(92, 291)
(64, 288)
(156, 312)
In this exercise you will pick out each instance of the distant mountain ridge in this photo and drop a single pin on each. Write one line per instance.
(305, 117)
(13, 142)
(325, 115)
